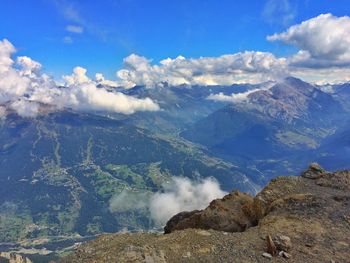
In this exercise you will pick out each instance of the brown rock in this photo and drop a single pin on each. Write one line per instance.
(232, 213)
(314, 171)
(267, 255)
(172, 223)
(277, 189)
(284, 254)
(283, 243)
(338, 180)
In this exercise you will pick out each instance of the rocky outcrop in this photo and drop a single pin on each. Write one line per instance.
(293, 219)
(238, 211)
(233, 213)
(314, 171)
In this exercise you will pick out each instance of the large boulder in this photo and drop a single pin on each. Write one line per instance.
(314, 171)
(232, 213)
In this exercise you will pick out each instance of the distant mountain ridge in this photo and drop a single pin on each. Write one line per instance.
(287, 122)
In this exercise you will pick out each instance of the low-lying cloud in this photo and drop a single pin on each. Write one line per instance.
(24, 89)
(241, 96)
(129, 200)
(234, 97)
(181, 194)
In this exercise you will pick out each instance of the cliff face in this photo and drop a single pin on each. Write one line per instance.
(294, 219)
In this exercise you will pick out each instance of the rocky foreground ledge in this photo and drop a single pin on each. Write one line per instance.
(293, 219)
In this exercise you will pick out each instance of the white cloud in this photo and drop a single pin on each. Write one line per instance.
(323, 57)
(327, 89)
(234, 97)
(67, 40)
(11, 82)
(180, 194)
(129, 200)
(239, 97)
(78, 76)
(88, 97)
(83, 94)
(6, 50)
(2, 112)
(183, 195)
(71, 12)
(245, 67)
(25, 108)
(24, 88)
(279, 12)
(100, 79)
(29, 66)
(75, 29)
(324, 41)
(322, 76)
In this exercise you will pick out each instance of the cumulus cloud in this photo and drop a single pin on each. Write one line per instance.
(322, 76)
(12, 83)
(78, 77)
(245, 67)
(100, 79)
(25, 108)
(75, 29)
(180, 194)
(28, 65)
(24, 89)
(323, 57)
(83, 94)
(324, 41)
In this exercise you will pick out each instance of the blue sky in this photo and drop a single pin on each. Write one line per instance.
(113, 29)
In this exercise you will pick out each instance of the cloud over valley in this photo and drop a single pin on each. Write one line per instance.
(24, 88)
(180, 194)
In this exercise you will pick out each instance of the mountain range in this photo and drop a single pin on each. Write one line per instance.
(60, 170)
